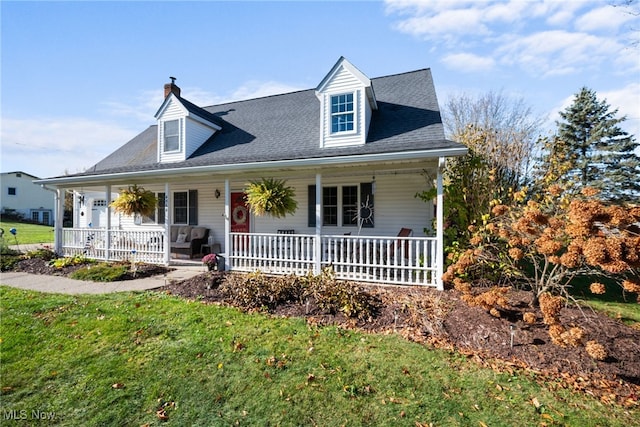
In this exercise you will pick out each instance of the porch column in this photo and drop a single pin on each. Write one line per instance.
(317, 267)
(58, 220)
(167, 223)
(107, 232)
(227, 225)
(439, 258)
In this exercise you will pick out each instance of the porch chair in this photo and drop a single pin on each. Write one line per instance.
(404, 232)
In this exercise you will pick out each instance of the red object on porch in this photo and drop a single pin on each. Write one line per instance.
(239, 213)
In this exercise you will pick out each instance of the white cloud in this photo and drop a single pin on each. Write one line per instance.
(627, 101)
(468, 62)
(557, 52)
(531, 35)
(49, 147)
(603, 18)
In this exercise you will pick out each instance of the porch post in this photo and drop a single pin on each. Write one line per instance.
(107, 236)
(167, 223)
(227, 225)
(317, 267)
(439, 258)
(58, 220)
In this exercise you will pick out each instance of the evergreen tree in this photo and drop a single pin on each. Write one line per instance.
(590, 149)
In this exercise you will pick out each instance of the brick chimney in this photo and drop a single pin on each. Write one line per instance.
(171, 87)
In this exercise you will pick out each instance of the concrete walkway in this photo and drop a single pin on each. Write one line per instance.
(64, 285)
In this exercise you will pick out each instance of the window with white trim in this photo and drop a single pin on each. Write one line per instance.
(345, 206)
(172, 135)
(342, 113)
(185, 207)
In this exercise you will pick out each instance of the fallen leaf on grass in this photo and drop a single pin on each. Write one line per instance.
(536, 403)
(162, 415)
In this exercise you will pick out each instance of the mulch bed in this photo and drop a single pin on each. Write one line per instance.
(40, 266)
(443, 320)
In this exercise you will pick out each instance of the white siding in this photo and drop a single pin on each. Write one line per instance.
(341, 83)
(28, 196)
(395, 207)
(174, 111)
(196, 134)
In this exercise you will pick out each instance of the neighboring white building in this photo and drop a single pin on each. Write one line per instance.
(22, 197)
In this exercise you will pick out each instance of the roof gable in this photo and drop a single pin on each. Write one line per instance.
(344, 65)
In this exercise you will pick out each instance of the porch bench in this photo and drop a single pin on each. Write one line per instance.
(188, 240)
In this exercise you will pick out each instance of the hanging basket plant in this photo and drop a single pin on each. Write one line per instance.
(270, 196)
(135, 201)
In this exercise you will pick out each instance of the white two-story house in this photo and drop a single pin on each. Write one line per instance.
(356, 150)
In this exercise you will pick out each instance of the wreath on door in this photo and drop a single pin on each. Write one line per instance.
(239, 215)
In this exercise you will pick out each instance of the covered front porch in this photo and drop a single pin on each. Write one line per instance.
(364, 222)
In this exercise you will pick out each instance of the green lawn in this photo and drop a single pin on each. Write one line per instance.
(615, 302)
(118, 359)
(26, 233)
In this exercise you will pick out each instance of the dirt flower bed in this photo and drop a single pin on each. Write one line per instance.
(506, 343)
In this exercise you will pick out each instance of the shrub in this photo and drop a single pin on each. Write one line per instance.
(102, 272)
(8, 262)
(258, 291)
(69, 261)
(335, 296)
(545, 243)
(44, 254)
(542, 242)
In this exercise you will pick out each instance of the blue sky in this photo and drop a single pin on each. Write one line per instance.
(79, 79)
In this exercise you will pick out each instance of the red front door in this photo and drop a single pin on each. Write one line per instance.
(239, 213)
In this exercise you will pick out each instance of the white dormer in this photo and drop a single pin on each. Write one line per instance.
(182, 126)
(346, 104)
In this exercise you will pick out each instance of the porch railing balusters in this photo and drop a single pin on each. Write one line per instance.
(395, 260)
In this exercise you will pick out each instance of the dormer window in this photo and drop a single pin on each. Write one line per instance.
(347, 102)
(342, 113)
(172, 135)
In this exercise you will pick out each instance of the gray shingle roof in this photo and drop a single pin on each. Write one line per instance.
(287, 127)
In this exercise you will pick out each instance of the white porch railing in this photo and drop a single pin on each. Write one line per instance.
(141, 246)
(396, 260)
(272, 253)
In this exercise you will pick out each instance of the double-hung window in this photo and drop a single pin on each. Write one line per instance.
(342, 113)
(185, 207)
(172, 135)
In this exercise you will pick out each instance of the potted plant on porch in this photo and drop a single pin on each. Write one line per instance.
(211, 261)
